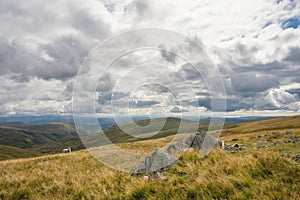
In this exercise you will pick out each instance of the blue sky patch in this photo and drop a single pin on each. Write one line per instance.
(291, 23)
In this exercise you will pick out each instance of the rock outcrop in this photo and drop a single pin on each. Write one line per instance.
(161, 160)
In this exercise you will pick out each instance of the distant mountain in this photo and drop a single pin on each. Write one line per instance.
(118, 134)
(27, 135)
(36, 119)
(15, 120)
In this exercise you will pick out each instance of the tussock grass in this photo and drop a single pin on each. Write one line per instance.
(220, 175)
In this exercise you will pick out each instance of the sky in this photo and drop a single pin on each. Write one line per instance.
(253, 44)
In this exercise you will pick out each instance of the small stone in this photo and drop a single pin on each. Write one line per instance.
(289, 132)
(292, 140)
(44, 163)
(268, 135)
(278, 135)
(235, 145)
(286, 154)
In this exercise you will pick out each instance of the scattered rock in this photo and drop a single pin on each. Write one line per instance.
(44, 163)
(292, 140)
(235, 145)
(233, 148)
(278, 135)
(289, 132)
(286, 154)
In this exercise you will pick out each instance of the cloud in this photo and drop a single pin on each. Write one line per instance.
(177, 109)
(222, 105)
(253, 82)
(107, 97)
(45, 43)
(142, 104)
(42, 45)
(169, 56)
(294, 55)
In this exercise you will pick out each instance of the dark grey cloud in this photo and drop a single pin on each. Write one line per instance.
(189, 72)
(59, 59)
(253, 82)
(89, 26)
(294, 55)
(221, 105)
(107, 97)
(202, 93)
(106, 83)
(169, 56)
(295, 92)
(39, 41)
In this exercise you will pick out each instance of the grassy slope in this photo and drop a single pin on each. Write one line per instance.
(250, 175)
(56, 147)
(9, 152)
(253, 174)
(264, 126)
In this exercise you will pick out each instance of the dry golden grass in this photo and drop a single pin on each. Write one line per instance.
(268, 125)
(257, 174)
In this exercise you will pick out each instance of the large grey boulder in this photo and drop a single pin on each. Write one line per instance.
(158, 161)
(195, 141)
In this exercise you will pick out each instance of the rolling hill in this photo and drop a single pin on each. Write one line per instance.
(52, 138)
(118, 134)
(27, 135)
